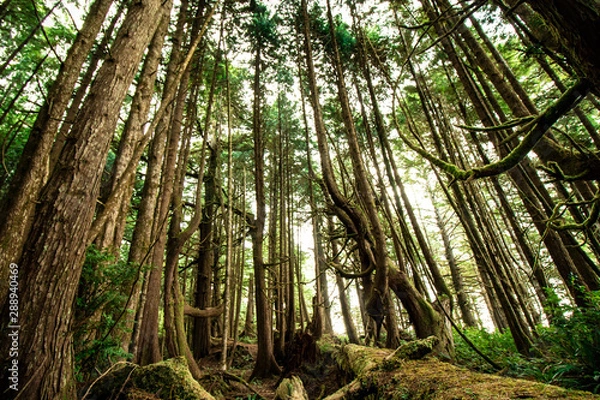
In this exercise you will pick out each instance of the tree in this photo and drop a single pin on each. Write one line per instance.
(55, 247)
(31, 173)
(262, 31)
(573, 25)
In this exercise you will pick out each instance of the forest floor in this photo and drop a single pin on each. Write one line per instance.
(320, 378)
(216, 383)
(323, 376)
(327, 370)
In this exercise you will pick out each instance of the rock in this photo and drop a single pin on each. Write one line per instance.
(291, 389)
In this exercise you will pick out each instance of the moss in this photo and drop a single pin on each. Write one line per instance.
(393, 375)
(167, 380)
(415, 349)
(328, 344)
(170, 379)
(432, 379)
(362, 359)
(291, 389)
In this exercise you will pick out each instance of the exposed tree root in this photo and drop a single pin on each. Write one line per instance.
(168, 380)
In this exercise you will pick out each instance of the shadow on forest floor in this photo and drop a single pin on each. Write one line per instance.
(318, 371)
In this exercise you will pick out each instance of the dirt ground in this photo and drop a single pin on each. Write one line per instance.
(320, 378)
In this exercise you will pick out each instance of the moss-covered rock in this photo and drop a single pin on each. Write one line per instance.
(166, 380)
(291, 389)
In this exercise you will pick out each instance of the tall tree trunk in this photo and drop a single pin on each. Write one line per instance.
(343, 295)
(265, 359)
(148, 349)
(322, 293)
(98, 55)
(140, 244)
(249, 327)
(574, 25)
(364, 191)
(520, 178)
(229, 273)
(111, 233)
(56, 245)
(202, 326)
(457, 279)
(18, 206)
(174, 303)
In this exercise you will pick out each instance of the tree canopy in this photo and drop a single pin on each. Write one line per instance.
(180, 173)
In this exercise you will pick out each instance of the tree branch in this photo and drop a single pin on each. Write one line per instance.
(534, 132)
(202, 313)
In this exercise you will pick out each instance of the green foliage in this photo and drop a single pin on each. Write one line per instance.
(345, 38)
(499, 346)
(572, 344)
(320, 28)
(252, 396)
(102, 295)
(28, 64)
(248, 339)
(567, 352)
(263, 27)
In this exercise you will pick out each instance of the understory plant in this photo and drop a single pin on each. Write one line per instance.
(100, 312)
(567, 352)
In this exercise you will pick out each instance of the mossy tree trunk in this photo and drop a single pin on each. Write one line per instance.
(404, 373)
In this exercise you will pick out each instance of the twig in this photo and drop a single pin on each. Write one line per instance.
(243, 382)
(106, 373)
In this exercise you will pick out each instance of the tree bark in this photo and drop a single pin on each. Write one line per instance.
(265, 359)
(574, 24)
(148, 349)
(18, 207)
(56, 245)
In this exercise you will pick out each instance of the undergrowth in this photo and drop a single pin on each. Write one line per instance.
(100, 315)
(567, 351)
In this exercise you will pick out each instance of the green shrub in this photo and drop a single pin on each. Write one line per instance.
(572, 345)
(499, 346)
(104, 289)
(567, 352)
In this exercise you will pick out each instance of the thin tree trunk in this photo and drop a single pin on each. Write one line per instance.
(265, 360)
(457, 279)
(229, 260)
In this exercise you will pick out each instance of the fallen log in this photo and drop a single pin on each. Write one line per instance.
(409, 373)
